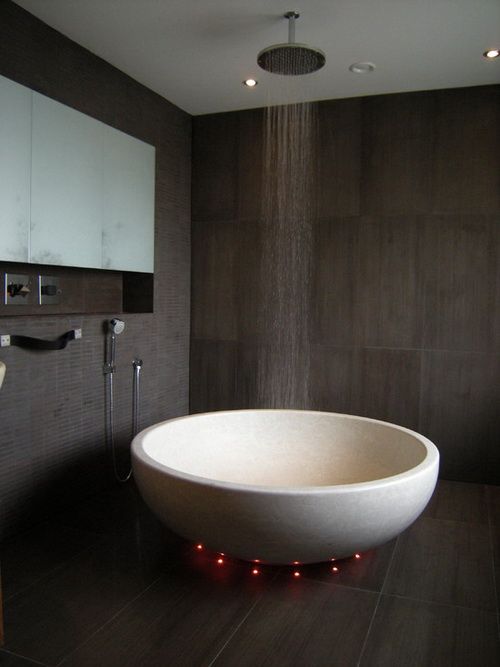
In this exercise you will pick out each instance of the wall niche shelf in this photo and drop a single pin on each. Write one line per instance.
(82, 291)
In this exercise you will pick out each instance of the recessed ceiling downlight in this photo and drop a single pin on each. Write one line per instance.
(362, 68)
(491, 54)
(250, 83)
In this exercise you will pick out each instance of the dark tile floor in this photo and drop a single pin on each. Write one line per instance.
(106, 585)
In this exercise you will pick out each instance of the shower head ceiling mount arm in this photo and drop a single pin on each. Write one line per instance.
(292, 17)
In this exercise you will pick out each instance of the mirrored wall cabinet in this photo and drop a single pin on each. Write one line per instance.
(73, 191)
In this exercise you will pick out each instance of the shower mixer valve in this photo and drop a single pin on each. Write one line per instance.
(17, 290)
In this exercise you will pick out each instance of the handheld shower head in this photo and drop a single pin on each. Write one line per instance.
(116, 326)
(112, 328)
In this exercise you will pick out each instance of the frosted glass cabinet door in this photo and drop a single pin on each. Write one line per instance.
(129, 184)
(66, 186)
(15, 167)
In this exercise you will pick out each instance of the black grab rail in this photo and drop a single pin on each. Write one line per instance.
(30, 343)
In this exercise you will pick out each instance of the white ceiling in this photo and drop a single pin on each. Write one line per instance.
(196, 53)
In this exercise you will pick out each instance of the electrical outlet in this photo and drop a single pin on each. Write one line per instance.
(5, 340)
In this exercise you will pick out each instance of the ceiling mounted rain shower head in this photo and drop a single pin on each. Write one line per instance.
(291, 59)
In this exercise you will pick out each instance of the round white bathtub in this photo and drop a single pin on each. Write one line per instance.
(284, 486)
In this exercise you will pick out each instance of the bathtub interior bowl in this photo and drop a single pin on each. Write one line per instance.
(284, 485)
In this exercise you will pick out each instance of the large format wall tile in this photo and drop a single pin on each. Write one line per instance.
(213, 281)
(250, 170)
(371, 382)
(213, 367)
(339, 158)
(459, 281)
(249, 287)
(467, 153)
(387, 385)
(334, 310)
(226, 281)
(366, 287)
(332, 372)
(215, 156)
(405, 265)
(388, 298)
(459, 412)
(397, 149)
(249, 363)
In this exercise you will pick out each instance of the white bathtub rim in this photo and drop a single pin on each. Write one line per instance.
(430, 461)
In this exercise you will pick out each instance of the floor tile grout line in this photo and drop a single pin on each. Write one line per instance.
(112, 618)
(371, 347)
(230, 638)
(365, 641)
(474, 522)
(49, 520)
(97, 538)
(425, 599)
(441, 604)
(336, 583)
(393, 556)
(372, 620)
(243, 620)
(396, 595)
(24, 657)
(47, 574)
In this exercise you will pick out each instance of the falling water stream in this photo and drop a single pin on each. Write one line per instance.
(288, 212)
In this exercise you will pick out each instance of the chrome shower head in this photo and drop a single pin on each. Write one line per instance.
(116, 326)
(291, 59)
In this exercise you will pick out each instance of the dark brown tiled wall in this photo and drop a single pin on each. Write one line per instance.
(406, 285)
(51, 404)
